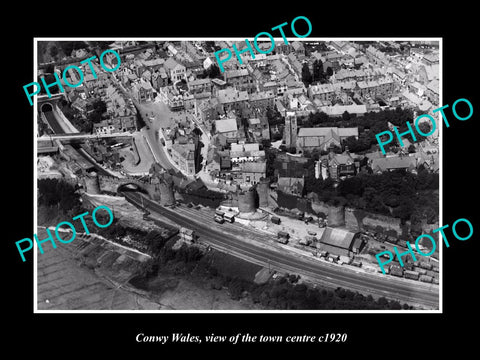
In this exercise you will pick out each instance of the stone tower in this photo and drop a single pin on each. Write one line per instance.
(246, 201)
(290, 132)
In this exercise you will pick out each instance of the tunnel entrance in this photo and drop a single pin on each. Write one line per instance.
(130, 187)
(46, 107)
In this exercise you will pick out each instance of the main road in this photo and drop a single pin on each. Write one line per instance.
(232, 239)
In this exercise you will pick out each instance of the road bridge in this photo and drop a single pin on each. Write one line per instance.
(82, 136)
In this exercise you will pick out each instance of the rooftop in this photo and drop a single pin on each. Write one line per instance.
(325, 131)
(236, 73)
(226, 125)
(393, 162)
(255, 167)
(230, 95)
(337, 237)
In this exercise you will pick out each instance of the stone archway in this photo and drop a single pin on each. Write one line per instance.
(46, 107)
(132, 186)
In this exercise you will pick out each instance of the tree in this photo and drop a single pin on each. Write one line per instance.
(212, 72)
(271, 155)
(102, 45)
(49, 79)
(99, 108)
(411, 149)
(355, 145)
(306, 75)
(317, 70)
(49, 69)
(69, 46)
(425, 127)
(346, 115)
(405, 210)
(329, 71)
(353, 185)
(53, 51)
(57, 192)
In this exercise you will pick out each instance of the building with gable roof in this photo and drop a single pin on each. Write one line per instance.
(262, 99)
(199, 85)
(240, 79)
(227, 128)
(322, 138)
(432, 91)
(184, 157)
(232, 99)
(322, 92)
(335, 166)
(337, 241)
(175, 70)
(252, 172)
(391, 163)
(159, 79)
(299, 48)
(142, 91)
(172, 98)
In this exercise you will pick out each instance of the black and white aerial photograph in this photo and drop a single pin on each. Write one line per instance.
(212, 175)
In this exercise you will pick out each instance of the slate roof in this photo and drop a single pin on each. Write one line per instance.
(393, 162)
(226, 125)
(254, 167)
(334, 132)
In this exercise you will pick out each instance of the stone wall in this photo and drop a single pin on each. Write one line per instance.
(110, 184)
(357, 220)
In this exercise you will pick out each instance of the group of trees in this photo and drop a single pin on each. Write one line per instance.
(399, 193)
(85, 123)
(275, 121)
(396, 193)
(213, 72)
(99, 108)
(286, 294)
(55, 193)
(152, 241)
(283, 293)
(369, 125)
(64, 48)
(317, 74)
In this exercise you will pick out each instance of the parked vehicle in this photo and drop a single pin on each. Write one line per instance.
(275, 220)
(229, 217)
(282, 237)
(219, 219)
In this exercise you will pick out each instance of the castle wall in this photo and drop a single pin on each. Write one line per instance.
(357, 220)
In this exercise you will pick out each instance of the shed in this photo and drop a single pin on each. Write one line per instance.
(426, 278)
(337, 241)
(396, 270)
(275, 220)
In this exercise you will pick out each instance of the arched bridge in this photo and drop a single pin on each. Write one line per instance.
(114, 185)
(46, 103)
(156, 190)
